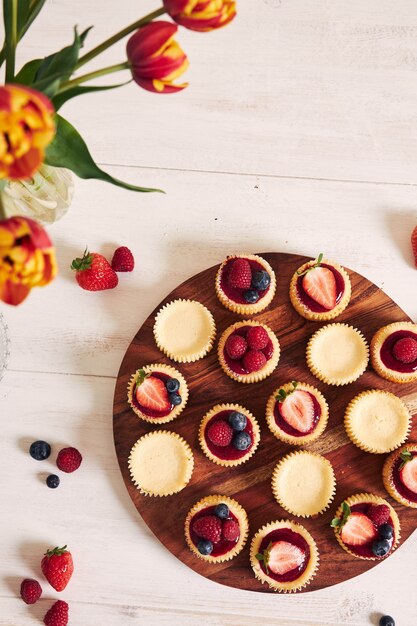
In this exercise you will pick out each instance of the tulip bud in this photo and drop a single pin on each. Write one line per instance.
(201, 15)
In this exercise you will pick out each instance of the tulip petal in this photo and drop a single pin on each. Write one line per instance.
(13, 293)
(149, 40)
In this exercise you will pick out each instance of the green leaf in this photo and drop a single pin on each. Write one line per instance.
(259, 556)
(141, 377)
(336, 522)
(319, 259)
(405, 457)
(27, 73)
(68, 149)
(60, 98)
(345, 509)
(34, 10)
(63, 62)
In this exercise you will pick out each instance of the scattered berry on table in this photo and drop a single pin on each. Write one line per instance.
(52, 481)
(405, 350)
(386, 531)
(254, 360)
(240, 276)
(221, 511)
(68, 460)
(152, 394)
(257, 338)
(123, 260)
(414, 244)
(57, 567)
(172, 385)
(57, 614)
(236, 346)
(242, 441)
(208, 527)
(378, 513)
(220, 433)
(30, 591)
(174, 398)
(261, 280)
(205, 547)
(94, 273)
(230, 530)
(237, 420)
(40, 450)
(381, 547)
(386, 620)
(251, 296)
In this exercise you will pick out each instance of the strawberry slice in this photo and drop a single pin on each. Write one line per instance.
(358, 530)
(284, 557)
(152, 395)
(408, 474)
(320, 284)
(298, 410)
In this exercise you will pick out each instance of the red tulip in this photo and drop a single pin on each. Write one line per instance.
(201, 15)
(155, 59)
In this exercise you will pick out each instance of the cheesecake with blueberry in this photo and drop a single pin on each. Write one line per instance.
(394, 352)
(216, 528)
(284, 555)
(320, 290)
(399, 475)
(245, 283)
(229, 434)
(248, 351)
(367, 527)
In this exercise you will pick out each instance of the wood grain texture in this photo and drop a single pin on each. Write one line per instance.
(355, 470)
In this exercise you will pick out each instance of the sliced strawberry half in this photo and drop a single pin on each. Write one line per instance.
(320, 284)
(152, 395)
(298, 410)
(408, 474)
(283, 557)
(358, 530)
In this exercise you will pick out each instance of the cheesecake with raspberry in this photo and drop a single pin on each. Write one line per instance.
(394, 352)
(399, 475)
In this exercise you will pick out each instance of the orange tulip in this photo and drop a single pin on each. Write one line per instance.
(155, 59)
(26, 128)
(27, 258)
(201, 15)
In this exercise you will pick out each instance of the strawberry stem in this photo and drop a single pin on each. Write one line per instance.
(83, 263)
(56, 551)
(312, 267)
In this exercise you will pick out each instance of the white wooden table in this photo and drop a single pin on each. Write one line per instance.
(298, 133)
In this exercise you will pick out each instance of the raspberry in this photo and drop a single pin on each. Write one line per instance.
(208, 527)
(123, 260)
(379, 514)
(236, 346)
(220, 433)
(230, 530)
(405, 350)
(30, 591)
(68, 460)
(240, 276)
(57, 614)
(257, 338)
(254, 360)
(414, 244)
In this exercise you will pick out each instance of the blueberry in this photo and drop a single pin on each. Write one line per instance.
(174, 398)
(386, 531)
(242, 441)
(40, 450)
(261, 280)
(381, 547)
(172, 385)
(237, 420)
(205, 547)
(53, 481)
(222, 511)
(251, 296)
(386, 620)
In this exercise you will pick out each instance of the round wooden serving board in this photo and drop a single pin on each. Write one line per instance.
(250, 483)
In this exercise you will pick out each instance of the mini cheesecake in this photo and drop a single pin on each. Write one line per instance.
(216, 529)
(320, 290)
(248, 351)
(399, 475)
(229, 434)
(367, 527)
(157, 393)
(297, 413)
(394, 352)
(245, 283)
(284, 555)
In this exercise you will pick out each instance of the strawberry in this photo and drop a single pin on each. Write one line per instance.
(236, 346)
(414, 244)
(405, 350)
(57, 614)
(379, 514)
(320, 284)
(94, 273)
(283, 557)
(68, 460)
(57, 567)
(208, 527)
(257, 338)
(240, 276)
(408, 474)
(30, 591)
(152, 394)
(254, 360)
(358, 530)
(230, 530)
(220, 433)
(298, 410)
(123, 260)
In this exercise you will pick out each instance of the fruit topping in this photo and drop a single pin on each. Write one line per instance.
(281, 557)
(236, 346)
(205, 547)
(242, 441)
(230, 530)
(381, 547)
(52, 481)
(378, 513)
(68, 460)
(387, 620)
(261, 280)
(358, 530)
(152, 394)
(123, 260)
(254, 360)
(408, 471)
(220, 433)
(57, 614)
(40, 450)
(222, 511)
(94, 273)
(208, 527)
(405, 350)
(251, 296)
(57, 567)
(414, 244)
(257, 338)
(172, 385)
(237, 421)
(386, 531)
(298, 410)
(30, 591)
(320, 285)
(174, 398)
(240, 276)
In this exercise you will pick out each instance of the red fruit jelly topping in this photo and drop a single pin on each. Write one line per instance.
(227, 453)
(221, 547)
(312, 304)
(237, 294)
(286, 534)
(366, 550)
(399, 485)
(236, 365)
(387, 354)
(287, 428)
(150, 412)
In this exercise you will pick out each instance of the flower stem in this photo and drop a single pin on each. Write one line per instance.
(112, 40)
(11, 40)
(91, 75)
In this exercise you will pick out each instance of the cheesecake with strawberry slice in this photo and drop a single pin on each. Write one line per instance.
(284, 555)
(367, 526)
(297, 413)
(399, 475)
(394, 352)
(320, 290)
(157, 393)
